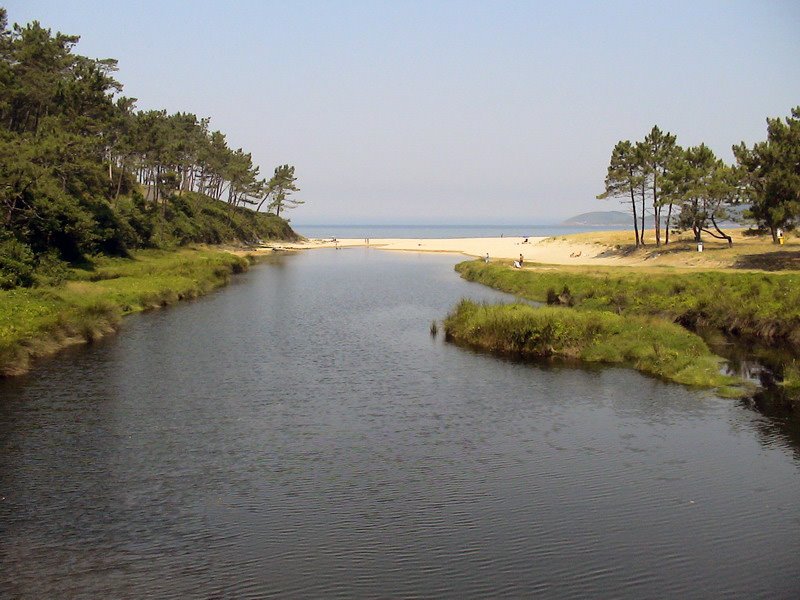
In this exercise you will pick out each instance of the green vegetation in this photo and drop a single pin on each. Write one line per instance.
(754, 305)
(91, 188)
(650, 345)
(38, 321)
(84, 174)
(791, 380)
(698, 190)
(761, 305)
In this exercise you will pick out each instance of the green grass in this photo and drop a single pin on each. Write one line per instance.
(652, 346)
(38, 321)
(762, 305)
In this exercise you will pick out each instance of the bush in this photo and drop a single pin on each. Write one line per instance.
(17, 264)
(51, 270)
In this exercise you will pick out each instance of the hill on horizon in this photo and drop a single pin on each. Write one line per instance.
(599, 218)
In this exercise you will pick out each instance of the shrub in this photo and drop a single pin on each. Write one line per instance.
(17, 264)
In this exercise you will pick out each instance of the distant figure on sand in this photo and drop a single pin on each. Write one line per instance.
(486, 259)
(520, 261)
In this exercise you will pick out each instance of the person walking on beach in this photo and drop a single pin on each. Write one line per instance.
(486, 260)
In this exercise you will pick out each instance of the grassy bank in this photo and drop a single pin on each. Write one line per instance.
(38, 321)
(652, 346)
(762, 305)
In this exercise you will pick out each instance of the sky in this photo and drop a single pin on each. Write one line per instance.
(440, 112)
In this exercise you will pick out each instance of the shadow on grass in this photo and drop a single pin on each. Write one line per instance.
(782, 260)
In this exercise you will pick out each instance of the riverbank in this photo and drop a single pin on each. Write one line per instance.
(751, 305)
(765, 306)
(37, 322)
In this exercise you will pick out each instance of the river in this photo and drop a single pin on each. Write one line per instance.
(301, 434)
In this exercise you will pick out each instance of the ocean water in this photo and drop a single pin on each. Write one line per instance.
(438, 231)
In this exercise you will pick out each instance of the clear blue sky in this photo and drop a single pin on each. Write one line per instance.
(448, 112)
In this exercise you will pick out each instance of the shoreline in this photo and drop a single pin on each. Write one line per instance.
(36, 323)
(535, 249)
(588, 249)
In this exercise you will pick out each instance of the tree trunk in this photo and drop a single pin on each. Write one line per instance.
(657, 223)
(724, 235)
(635, 220)
(119, 183)
(157, 181)
(656, 208)
(669, 220)
(641, 236)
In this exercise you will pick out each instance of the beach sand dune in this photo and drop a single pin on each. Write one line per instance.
(554, 251)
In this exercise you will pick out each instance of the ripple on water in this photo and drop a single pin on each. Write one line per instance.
(301, 435)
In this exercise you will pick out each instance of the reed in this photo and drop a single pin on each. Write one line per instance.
(759, 304)
(650, 345)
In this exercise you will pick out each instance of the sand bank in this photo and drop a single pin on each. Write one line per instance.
(555, 251)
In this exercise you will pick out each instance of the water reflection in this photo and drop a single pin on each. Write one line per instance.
(300, 434)
(763, 366)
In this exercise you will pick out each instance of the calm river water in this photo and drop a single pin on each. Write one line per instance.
(300, 434)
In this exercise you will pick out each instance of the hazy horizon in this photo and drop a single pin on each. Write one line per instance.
(448, 112)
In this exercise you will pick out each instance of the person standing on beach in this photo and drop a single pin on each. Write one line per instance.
(520, 261)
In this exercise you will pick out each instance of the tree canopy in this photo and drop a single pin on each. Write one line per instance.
(702, 188)
(771, 175)
(83, 172)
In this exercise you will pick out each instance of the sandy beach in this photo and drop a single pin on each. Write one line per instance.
(556, 251)
(597, 248)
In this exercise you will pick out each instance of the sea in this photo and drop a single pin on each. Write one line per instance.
(357, 231)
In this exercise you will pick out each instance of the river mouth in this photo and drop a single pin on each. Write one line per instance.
(300, 434)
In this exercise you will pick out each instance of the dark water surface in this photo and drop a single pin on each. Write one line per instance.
(300, 434)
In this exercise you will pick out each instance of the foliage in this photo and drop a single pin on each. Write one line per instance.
(658, 154)
(650, 345)
(281, 187)
(625, 177)
(772, 175)
(702, 187)
(82, 173)
(17, 264)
